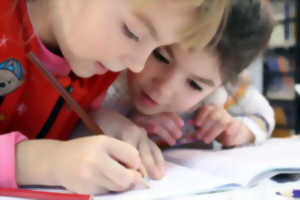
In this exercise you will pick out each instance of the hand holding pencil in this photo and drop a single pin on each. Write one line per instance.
(91, 165)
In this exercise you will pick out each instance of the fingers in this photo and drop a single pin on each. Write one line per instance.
(202, 114)
(152, 159)
(164, 134)
(124, 153)
(173, 125)
(165, 125)
(124, 161)
(229, 136)
(212, 121)
(159, 159)
(213, 133)
(119, 177)
(237, 134)
(176, 119)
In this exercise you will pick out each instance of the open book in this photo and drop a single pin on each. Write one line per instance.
(199, 171)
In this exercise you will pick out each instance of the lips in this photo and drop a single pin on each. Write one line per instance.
(99, 68)
(147, 100)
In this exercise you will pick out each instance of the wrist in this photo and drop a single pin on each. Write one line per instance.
(35, 161)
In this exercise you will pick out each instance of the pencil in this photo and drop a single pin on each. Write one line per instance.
(291, 194)
(84, 116)
(41, 195)
(88, 121)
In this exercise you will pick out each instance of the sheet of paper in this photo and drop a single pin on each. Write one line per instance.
(240, 165)
(178, 181)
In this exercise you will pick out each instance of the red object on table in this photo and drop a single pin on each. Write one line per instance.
(41, 195)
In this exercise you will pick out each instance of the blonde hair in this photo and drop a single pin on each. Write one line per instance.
(207, 28)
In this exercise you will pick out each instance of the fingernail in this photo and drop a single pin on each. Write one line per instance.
(141, 184)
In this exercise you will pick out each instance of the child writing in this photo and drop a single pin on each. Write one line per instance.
(175, 81)
(81, 41)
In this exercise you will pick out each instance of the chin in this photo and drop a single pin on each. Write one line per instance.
(82, 74)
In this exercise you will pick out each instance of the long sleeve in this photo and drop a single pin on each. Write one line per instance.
(7, 158)
(251, 107)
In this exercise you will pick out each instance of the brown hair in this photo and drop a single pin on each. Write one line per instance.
(245, 36)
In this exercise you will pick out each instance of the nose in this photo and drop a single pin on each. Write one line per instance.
(165, 84)
(136, 61)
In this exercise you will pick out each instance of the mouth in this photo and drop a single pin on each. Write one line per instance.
(100, 68)
(148, 100)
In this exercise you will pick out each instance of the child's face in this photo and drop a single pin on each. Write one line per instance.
(177, 86)
(100, 35)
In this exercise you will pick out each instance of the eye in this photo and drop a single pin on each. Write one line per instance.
(129, 33)
(160, 57)
(194, 85)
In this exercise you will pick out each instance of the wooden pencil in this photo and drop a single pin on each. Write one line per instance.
(88, 121)
(84, 116)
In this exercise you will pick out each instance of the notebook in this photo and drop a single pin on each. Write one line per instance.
(192, 171)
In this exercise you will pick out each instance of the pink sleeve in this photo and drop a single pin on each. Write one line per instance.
(7, 158)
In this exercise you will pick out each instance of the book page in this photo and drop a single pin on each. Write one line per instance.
(178, 181)
(242, 164)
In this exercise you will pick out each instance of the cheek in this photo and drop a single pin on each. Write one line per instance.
(97, 46)
(185, 102)
(89, 39)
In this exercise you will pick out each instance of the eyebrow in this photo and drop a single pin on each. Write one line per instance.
(205, 81)
(208, 82)
(147, 22)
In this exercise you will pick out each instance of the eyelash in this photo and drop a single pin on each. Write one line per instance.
(194, 85)
(160, 57)
(129, 33)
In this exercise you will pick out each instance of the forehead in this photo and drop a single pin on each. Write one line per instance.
(202, 63)
(167, 17)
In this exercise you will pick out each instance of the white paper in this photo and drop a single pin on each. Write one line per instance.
(240, 165)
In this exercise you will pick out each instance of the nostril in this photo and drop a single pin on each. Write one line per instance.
(2, 84)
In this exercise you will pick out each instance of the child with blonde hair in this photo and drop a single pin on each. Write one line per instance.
(83, 43)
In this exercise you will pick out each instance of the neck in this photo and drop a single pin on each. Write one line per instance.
(40, 14)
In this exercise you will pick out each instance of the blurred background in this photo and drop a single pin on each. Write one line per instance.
(277, 73)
